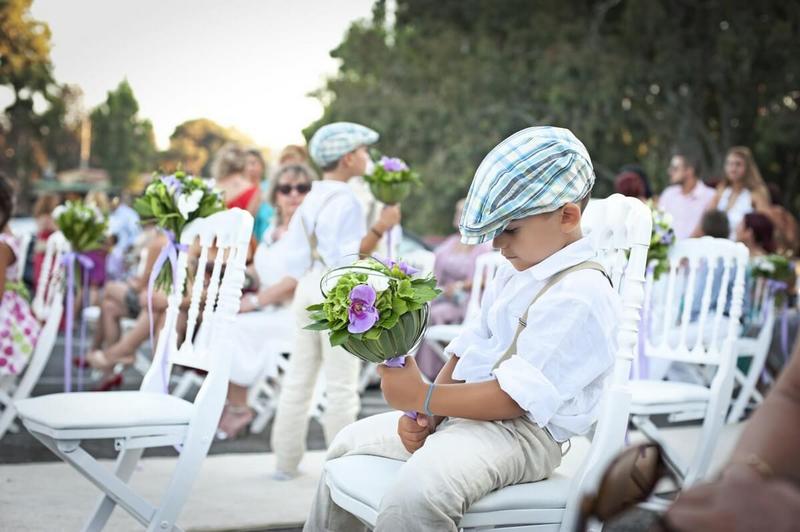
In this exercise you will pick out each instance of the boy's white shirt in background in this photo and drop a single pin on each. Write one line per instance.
(333, 212)
(565, 352)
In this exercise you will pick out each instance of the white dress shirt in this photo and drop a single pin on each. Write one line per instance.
(563, 355)
(332, 211)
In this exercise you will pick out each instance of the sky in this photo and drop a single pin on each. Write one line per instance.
(244, 64)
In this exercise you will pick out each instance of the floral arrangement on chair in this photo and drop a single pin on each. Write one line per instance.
(83, 225)
(661, 240)
(171, 202)
(777, 272)
(375, 309)
(391, 180)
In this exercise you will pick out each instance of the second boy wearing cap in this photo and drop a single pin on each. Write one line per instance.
(524, 376)
(327, 231)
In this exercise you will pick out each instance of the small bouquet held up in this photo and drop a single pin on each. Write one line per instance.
(83, 225)
(171, 202)
(375, 309)
(391, 180)
(661, 240)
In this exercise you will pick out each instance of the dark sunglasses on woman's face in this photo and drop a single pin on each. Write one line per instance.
(301, 188)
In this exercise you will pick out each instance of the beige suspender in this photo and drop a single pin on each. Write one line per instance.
(311, 236)
(587, 265)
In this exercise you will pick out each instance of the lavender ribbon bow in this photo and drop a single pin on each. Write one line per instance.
(87, 264)
(168, 252)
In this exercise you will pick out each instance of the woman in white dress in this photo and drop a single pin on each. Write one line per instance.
(264, 324)
(742, 190)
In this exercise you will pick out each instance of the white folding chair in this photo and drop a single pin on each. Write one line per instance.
(438, 336)
(48, 307)
(761, 316)
(149, 417)
(619, 225)
(691, 331)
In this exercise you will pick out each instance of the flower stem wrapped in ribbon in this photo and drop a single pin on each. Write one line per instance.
(84, 227)
(375, 309)
(391, 180)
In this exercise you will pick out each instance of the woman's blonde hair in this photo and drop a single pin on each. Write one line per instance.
(229, 160)
(752, 176)
(302, 170)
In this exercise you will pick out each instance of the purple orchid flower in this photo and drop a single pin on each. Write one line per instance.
(403, 266)
(362, 313)
(393, 164)
(174, 185)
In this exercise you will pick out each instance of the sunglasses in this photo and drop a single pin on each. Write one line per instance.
(300, 188)
(630, 479)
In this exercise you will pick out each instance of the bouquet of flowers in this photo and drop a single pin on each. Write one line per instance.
(171, 202)
(376, 309)
(775, 267)
(84, 226)
(661, 240)
(391, 180)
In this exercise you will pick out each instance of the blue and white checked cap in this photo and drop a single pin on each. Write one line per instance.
(332, 141)
(534, 171)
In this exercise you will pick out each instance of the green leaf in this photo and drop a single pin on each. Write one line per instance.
(339, 337)
(317, 326)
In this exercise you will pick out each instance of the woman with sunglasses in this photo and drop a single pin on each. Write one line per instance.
(253, 355)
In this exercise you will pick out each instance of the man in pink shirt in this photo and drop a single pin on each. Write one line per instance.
(687, 197)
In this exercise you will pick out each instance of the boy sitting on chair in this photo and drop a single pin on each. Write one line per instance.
(524, 376)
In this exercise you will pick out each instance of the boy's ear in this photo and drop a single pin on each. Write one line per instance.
(570, 217)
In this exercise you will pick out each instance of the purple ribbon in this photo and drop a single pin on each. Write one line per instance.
(774, 286)
(87, 264)
(399, 362)
(168, 252)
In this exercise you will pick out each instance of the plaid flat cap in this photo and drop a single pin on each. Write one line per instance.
(534, 171)
(332, 141)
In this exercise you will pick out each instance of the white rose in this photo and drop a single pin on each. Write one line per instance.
(58, 211)
(768, 266)
(188, 203)
(667, 218)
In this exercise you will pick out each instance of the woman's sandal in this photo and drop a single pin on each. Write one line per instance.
(234, 420)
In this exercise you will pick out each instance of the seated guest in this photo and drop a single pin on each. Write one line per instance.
(787, 234)
(687, 196)
(266, 313)
(237, 189)
(454, 268)
(631, 184)
(714, 223)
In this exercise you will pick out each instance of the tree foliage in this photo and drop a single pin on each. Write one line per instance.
(634, 80)
(122, 143)
(194, 143)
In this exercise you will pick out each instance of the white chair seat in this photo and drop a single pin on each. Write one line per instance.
(366, 478)
(90, 410)
(443, 333)
(650, 392)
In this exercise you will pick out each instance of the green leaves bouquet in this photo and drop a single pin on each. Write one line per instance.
(376, 309)
(391, 180)
(84, 226)
(171, 202)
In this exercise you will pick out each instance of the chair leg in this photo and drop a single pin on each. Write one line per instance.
(124, 467)
(748, 391)
(7, 419)
(115, 488)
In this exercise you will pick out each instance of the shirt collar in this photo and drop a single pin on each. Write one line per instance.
(575, 253)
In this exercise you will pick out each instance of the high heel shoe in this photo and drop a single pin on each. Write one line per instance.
(234, 420)
(112, 382)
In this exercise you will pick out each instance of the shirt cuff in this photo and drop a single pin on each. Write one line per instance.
(528, 386)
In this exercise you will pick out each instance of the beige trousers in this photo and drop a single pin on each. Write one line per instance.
(311, 352)
(458, 464)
